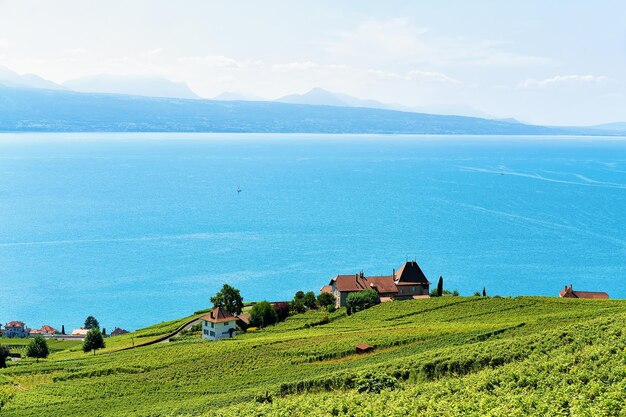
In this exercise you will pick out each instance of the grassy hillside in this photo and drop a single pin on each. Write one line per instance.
(446, 356)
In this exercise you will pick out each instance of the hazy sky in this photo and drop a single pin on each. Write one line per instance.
(552, 62)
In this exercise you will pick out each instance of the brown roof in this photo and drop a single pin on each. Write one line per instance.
(410, 273)
(218, 315)
(346, 283)
(48, 329)
(326, 288)
(382, 284)
(245, 318)
(14, 324)
(117, 332)
(568, 292)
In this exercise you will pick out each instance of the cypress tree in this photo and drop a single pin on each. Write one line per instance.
(440, 287)
(484, 292)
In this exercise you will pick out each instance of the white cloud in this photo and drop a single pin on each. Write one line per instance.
(429, 76)
(305, 66)
(4, 43)
(220, 61)
(562, 80)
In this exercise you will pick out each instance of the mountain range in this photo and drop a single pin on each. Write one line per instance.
(120, 103)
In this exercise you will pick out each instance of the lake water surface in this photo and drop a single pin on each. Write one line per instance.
(140, 228)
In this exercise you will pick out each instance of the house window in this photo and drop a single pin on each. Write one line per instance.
(413, 289)
(212, 325)
(212, 333)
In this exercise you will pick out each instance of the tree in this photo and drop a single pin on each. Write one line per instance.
(440, 287)
(357, 301)
(63, 329)
(263, 314)
(476, 294)
(91, 323)
(4, 354)
(309, 300)
(484, 292)
(326, 299)
(299, 295)
(297, 306)
(93, 341)
(282, 310)
(38, 348)
(229, 299)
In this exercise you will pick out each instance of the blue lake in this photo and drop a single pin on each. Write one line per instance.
(140, 228)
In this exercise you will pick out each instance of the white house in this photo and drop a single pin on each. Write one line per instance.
(218, 324)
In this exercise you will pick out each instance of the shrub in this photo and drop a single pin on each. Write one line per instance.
(326, 299)
(4, 354)
(38, 348)
(309, 300)
(297, 306)
(331, 308)
(263, 314)
(93, 341)
(362, 300)
(282, 310)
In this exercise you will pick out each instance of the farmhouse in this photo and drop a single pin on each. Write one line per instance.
(218, 324)
(118, 332)
(16, 329)
(408, 282)
(568, 292)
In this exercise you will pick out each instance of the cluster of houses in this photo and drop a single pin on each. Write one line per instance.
(408, 282)
(19, 329)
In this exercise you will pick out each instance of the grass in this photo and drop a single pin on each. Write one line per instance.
(445, 356)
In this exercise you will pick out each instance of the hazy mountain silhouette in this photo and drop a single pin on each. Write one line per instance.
(147, 86)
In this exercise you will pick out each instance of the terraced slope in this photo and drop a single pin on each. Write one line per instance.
(447, 356)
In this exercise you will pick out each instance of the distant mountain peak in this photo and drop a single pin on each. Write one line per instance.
(147, 86)
(13, 79)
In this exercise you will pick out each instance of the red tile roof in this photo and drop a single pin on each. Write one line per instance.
(48, 329)
(326, 288)
(568, 292)
(218, 315)
(346, 283)
(245, 318)
(382, 284)
(14, 324)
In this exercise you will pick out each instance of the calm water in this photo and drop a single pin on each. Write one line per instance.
(137, 229)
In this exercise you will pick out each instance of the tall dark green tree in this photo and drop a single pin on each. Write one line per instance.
(484, 292)
(91, 323)
(63, 329)
(229, 299)
(440, 287)
(263, 314)
(4, 354)
(38, 348)
(93, 341)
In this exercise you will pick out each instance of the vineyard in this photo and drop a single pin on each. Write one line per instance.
(441, 357)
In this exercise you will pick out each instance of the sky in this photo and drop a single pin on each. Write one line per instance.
(544, 62)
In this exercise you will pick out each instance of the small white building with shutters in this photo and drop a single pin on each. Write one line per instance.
(218, 324)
